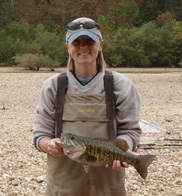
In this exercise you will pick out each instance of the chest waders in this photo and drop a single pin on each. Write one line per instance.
(88, 115)
(110, 102)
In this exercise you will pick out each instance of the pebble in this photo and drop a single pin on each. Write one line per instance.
(2, 194)
(178, 182)
(6, 176)
(16, 182)
(40, 179)
(1, 154)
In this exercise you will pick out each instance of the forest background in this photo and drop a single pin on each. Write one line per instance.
(136, 33)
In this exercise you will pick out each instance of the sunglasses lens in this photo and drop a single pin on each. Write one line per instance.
(89, 25)
(86, 25)
(73, 26)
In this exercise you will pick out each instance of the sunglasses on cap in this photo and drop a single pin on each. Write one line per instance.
(78, 25)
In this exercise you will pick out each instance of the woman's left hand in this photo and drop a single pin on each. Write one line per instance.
(117, 165)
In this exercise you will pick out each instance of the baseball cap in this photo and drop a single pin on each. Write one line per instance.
(82, 26)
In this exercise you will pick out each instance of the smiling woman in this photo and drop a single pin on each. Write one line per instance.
(85, 114)
(84, 45)
(84, 51)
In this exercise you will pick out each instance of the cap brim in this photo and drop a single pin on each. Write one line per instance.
(83, 32)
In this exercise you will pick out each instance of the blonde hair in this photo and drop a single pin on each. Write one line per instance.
(100, 62)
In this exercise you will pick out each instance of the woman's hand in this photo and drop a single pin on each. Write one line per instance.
(117, 165)
(48, 145)
(53, 149)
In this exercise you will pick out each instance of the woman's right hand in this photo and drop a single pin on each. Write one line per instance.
(48, 145)
(53, 149)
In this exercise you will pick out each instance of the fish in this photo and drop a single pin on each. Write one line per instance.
(92, 152)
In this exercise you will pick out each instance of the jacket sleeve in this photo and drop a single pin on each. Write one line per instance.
(45, 111)
(127, 110)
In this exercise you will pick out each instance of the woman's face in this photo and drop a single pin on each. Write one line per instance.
(84, 50)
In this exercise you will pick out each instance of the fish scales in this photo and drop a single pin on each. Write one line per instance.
(106, 153)
(103, 152)
(94, 150)
(99, 152)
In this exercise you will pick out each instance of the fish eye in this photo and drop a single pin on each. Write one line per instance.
(72, 137)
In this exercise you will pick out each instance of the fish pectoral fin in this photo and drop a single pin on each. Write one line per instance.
(86, 168)
(90, 158)
(121, 144)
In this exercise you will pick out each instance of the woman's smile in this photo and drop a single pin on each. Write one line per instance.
(84, 54)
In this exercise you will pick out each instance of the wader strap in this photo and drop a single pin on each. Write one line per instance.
(110, 102)
(62, 87)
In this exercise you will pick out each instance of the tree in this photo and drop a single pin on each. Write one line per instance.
(35, 61)
(176, 37)
(165, 19)
(7, 47)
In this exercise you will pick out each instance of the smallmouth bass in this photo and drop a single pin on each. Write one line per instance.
(99, 152)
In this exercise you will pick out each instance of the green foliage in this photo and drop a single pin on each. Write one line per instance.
(24, 47)
(49, 42)
(131, 12)
(121, 13)
(18, 30)
(176, 39)
(116, 47)
(35, 61)
(105, 24)
(7, 47)
(136, 33)
(30, 61)
(149, 45)
(149, 10)
(35, 41)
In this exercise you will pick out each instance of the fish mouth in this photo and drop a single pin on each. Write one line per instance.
(69, 152)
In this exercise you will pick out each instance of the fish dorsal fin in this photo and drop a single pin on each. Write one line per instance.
(101, 139)
(121, 144)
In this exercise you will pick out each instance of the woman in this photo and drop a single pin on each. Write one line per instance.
(85, 90)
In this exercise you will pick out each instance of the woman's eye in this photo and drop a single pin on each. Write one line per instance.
(76, 42)
(88, 42)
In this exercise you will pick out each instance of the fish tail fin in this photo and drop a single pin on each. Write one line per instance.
(142, 164)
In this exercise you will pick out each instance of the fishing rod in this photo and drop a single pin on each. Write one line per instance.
(158, 146)
(173, 139)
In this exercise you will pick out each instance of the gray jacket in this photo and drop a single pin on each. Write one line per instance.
(85, 114)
